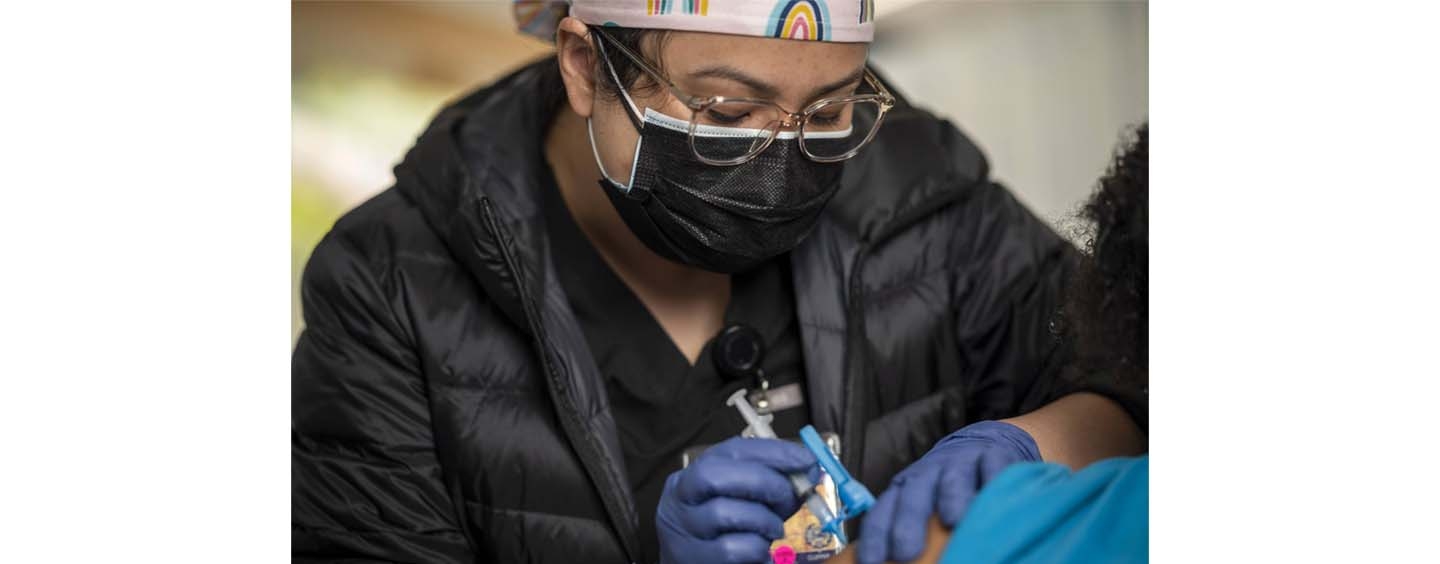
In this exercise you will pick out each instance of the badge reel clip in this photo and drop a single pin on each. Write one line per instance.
(738, 353)
(853, 497)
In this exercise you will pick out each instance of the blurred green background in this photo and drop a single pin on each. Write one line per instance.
(1045, 88)
(366, 77)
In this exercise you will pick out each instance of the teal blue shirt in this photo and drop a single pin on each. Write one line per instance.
(1037, 512)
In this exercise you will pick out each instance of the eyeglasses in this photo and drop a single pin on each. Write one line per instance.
(738, 129)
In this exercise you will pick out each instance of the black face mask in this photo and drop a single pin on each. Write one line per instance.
(719, 218)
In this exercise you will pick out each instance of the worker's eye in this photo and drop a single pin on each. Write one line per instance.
(827, 118)
(723, 117)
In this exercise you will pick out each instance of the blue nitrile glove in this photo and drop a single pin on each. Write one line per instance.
(731, 502)
(943, 481)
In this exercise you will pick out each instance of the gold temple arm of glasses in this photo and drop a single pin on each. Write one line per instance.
(694, 102)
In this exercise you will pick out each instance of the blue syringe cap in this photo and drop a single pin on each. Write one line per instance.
(855, 498)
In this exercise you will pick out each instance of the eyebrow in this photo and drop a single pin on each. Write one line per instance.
(767, 90)
(756, 85)
(833, 86)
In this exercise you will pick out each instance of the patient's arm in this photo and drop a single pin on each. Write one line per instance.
(1082, 428)
(936, 537)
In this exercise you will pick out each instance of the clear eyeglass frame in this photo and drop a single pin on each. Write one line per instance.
(791, 120)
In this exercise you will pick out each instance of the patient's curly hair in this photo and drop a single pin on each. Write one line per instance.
(1106, 314)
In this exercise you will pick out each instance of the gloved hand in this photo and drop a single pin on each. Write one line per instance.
(730, 503)
(943, 481)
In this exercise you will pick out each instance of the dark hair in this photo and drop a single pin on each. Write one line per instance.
(645, 42)
(1106, 313)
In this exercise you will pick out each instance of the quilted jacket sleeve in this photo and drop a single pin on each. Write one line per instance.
(1020, 267)
(365, 481)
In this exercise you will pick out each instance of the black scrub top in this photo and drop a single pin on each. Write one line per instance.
(663, 405)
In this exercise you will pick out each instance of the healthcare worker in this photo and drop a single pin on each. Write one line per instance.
(510, 354)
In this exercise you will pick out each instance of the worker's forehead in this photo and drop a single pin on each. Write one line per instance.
(779, 62)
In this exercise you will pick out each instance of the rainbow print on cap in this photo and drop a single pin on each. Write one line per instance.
(692, 7)
(844, 21)
(800, 19)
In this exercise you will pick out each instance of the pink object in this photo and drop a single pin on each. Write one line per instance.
(844, 21)
(783, 555)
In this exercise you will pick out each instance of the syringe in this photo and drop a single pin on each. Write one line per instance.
(760, 427)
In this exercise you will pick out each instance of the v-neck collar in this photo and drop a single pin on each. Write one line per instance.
(599, 297)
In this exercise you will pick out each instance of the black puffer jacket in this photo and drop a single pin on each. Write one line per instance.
(445, 405)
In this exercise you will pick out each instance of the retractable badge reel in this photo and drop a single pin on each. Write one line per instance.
(738, 353)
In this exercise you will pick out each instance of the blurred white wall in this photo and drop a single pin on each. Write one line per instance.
(1045, 88)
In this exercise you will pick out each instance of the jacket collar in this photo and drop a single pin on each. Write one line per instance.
(476, 159)
(915, 164)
